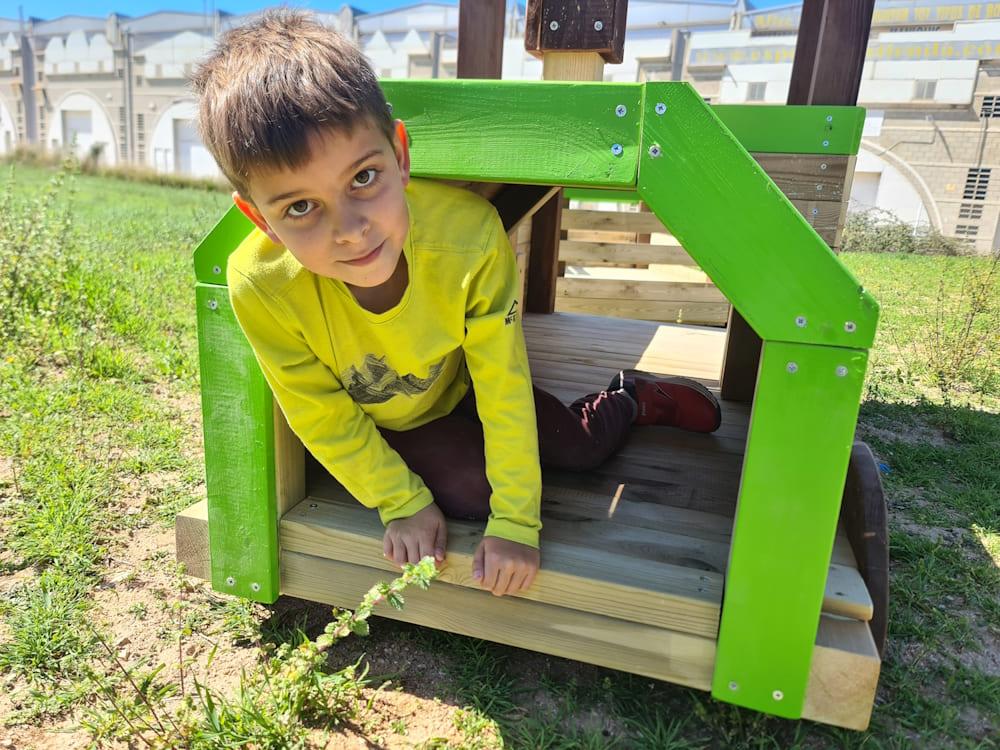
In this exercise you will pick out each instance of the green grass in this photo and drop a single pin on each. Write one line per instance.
(88, 375)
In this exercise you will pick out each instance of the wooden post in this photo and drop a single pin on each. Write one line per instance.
(480, 38)
(829, 57)
(574, 39)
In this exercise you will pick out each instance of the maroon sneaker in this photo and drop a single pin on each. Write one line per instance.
(672, 402)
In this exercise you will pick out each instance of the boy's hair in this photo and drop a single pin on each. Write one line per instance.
(269, 84)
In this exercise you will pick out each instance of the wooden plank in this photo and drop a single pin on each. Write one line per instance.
(696, 313)
(843, 674)
(543, 257)
(741, 359)
(681, 658)
(574, 574)
(830, 51)
(611, 221)
(289, 464)
(575, 252)
(518, 203)
(806, 176)
(615, 289)
(841, 683)
(561, 25)
(191, 540)
(480, 38)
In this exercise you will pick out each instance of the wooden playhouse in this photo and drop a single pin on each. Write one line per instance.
(721, 562)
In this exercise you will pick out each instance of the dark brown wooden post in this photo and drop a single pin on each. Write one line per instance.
(480, 38)
(829, 56)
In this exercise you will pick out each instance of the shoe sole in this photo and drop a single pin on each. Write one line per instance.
(678, 380)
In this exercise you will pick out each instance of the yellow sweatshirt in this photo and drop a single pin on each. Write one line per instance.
(338, 370)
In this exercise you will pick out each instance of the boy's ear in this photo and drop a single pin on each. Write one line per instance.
(402, 149)
(250, 211)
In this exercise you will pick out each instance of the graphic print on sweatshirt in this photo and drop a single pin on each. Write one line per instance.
(376, 382)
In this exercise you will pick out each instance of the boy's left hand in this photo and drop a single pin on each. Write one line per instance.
(503, 566)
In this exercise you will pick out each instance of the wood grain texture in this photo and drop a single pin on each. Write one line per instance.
(577, 253)
(573, 574)
(682, 658)
(616, 289)
(191, 540)
(543, 258)
(289, 464)
(480, 38)
(843, 674)
(688, 313)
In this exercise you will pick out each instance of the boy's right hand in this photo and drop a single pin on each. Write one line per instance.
(409, 540)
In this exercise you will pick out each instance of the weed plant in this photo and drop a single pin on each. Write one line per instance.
(879, 231)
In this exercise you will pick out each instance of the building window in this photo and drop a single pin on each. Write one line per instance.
(970, 211)
(991, 107)
(976, 183)
(924, 90)
(756, 91)
(966, 230)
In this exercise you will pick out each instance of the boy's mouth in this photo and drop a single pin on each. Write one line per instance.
(366, 259)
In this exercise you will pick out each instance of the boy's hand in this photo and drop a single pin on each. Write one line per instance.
(503, 566)
(409, 540)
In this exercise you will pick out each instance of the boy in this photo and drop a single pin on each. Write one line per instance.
(383, 311)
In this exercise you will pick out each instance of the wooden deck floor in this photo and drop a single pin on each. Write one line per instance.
(633, 554)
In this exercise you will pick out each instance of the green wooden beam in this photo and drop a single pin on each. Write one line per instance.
(798, 448)
(532, 132)
(829, 130)
(734, 221)
(212, 252)
(238, 415)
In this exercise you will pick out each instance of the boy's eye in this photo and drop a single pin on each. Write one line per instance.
(298, 209)
(364, 178)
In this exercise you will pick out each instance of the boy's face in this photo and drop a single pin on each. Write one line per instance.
(343, 214)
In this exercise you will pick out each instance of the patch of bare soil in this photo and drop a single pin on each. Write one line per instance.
(913, 433)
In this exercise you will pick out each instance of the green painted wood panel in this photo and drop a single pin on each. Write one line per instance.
(798, 447)
(735, 222)
(212, 252)
(534, 132)
(835, 131)
(238, 414)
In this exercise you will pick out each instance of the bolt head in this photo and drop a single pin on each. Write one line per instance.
(655, 152)
(598, 25)
(801, 321)
(213, 305)
(230, 581)
(216, 270)
(829, 118)
(850, 326)
(255, 586)
(734, 685)
(777, 695)
(660, 108)
(792, 367)
(621, 110)
(617, 149)
(822, 167)
(841, 371)
(826, 144)
(815, 212)
(554, 26)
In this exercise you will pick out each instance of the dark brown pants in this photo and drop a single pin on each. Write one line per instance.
(448, 453)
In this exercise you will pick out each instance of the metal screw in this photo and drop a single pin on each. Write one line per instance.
(829, 118)
(841, 371)
(598, 25)
(554, 26)
(660, 108)
(255, 586)
(621, 110)
(777, 695)
(819, 188)
(734, 685)
(826, 144)
(850, 326)
(313, 505)
(212, 304)
(216, 270)
(654, 151)
(815, 212)
(230, 581)
(792, 367)
(617, 149)
(801, 321)
(822, 167)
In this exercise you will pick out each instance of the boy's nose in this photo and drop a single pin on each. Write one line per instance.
(350, 227)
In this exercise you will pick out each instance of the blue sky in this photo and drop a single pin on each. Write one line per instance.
(56, 8)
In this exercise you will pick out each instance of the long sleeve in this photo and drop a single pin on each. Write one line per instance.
(498, 363)
(342, 437)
